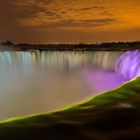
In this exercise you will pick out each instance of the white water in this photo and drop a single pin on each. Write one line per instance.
(39, 82)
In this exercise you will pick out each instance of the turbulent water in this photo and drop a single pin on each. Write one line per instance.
(38, 82)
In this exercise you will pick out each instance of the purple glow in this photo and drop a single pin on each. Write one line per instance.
(101, 81)
(128, 65)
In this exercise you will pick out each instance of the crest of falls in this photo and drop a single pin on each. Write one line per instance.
(38, 82)
(125, 63)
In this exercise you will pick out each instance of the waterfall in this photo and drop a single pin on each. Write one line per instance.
(125, 63)
(37, 82)
(128, 64)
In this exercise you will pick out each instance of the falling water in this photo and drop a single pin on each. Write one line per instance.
(128, 64)
(38, 82)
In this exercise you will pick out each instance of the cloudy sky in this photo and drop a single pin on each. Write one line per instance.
(69, 21)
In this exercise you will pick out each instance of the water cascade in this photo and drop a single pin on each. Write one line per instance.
(38, 82)
(125, 63)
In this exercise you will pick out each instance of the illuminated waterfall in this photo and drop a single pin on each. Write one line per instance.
(128, 64)
(37, 82)
(125, 63)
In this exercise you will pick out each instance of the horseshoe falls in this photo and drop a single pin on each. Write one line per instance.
(38, 82)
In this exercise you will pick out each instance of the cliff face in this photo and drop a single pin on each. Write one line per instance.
(110, 116)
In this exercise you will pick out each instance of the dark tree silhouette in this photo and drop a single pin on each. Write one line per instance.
(8, 43)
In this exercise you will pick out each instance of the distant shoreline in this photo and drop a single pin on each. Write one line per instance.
(114, 46)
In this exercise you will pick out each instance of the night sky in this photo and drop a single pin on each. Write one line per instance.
(69, 21)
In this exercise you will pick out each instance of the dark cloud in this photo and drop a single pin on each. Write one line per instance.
(106, 13)
(80, 23)
(49, 13)
(92, 8)
(31, 8)
(38, 10)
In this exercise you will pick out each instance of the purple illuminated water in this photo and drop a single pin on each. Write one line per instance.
(38, 82)
(128, 65)
(101, 81)
(120, 67)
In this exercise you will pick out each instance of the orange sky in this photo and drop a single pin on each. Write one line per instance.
(69, 21)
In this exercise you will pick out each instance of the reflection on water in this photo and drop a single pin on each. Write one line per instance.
(38, 82)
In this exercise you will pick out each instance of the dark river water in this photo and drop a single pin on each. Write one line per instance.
(40, 82)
